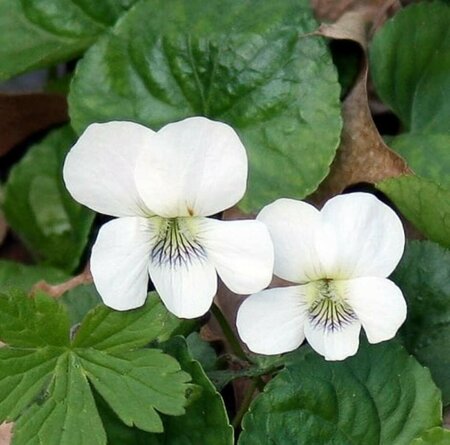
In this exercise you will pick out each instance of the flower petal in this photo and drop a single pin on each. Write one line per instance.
(271, 321)
(334, 344)
(293, 226)
(119, 262)
(99, 169)
(241, 251)
(379, 305)
(194, 167)
(186, 289)
(368, 234)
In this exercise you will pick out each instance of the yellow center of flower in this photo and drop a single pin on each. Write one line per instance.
(176, 242)
(328, 307)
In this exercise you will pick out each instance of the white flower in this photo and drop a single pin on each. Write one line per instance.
(162, 186)
(340, 257)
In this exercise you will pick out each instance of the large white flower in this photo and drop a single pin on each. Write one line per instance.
(162, 186)
(340, 257)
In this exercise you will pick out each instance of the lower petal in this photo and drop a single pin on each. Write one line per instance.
(119, 262)
(271, 321)
(187, 288)
(334, 344)
(241, 251)
(379, 305)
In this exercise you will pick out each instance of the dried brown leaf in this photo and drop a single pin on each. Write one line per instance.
(5, 433)
(332, 10)
(362, 155)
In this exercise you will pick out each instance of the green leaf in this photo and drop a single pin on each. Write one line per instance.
(424, 277)
(381, 396)
(79, 301)
(426, 154)
(434, 436)
(205, 422)
(23, 374)
(424, 203)
(38, 33)
(410, 78)
(257, 69)
(202, 351)
(45, 381)
(115, 331)
(67, 415)
(414, 80)
(21, 277)
(206, 419)
(39, 208)
(32, 322)
(136, 384)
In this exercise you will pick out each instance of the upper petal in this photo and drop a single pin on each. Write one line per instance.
(187, 288)
(368, 236)
(119, 262)
(241, 251)
(334, 344)
(99, 169)
(379, 305)
(193, 167)
(271, 321)
(293, 226)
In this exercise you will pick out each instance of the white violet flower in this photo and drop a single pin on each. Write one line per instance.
(340, 258)
(162, 186)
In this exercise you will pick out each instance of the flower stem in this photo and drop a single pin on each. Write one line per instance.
(248, 397)
(228, 333)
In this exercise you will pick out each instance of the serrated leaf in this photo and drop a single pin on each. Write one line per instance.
(44, 379)
(205, 422)
(434, 436)
(128, 381)
(38, 33)
(38, 207)
(414, 80)
(32, 322)
(424, 203)
(115, 331)
(206, 419)
(424, 277)
(23, 374)
(22, 277)
(67, 416)
(254, 68)
(381, 396)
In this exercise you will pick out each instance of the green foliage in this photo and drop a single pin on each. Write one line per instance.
(21, 277)
(254, 68)
(45, 377)
(412, 75)
(79, 301)
(115, 331)
(422, 202)
(205, 421)
(39, 208)
(424, 277)
(427, 155)
(434, 436)
(202, 351)
(381, 396)
(38, 33)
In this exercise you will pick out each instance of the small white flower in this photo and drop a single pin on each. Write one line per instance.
(340, 257)
(161, 186)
